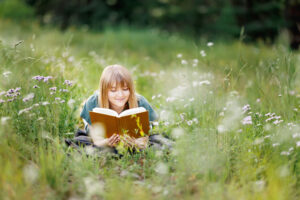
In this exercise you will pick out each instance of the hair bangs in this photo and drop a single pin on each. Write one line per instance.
(118, 79)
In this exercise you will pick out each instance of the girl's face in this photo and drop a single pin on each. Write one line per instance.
(118, 95)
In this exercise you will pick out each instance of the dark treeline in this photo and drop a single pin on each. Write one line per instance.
(214, 18)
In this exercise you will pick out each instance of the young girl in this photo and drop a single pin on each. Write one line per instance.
(116, 92)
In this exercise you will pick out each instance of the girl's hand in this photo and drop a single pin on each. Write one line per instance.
(128, 141)
(142, 142)
(113, 140)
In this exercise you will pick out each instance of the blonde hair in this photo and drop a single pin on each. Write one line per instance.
(119, 75)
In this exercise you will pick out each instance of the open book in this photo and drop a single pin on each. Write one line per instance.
(133, 122)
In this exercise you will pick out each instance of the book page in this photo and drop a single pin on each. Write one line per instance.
(106, 111)
(132, 111)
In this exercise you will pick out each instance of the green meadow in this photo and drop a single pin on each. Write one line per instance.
(232, 108)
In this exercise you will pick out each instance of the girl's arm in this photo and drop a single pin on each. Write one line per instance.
(108, 142)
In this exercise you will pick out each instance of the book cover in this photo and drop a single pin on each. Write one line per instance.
(133, 122)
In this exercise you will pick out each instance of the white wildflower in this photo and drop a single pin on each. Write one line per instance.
(285, 153)
(6, 74)
(209, 44)
(189, 122)
(296, 135)
(184, 62)
(275, 144)
(45, 103)
(170, 99)
(4, 120)
(202, 52)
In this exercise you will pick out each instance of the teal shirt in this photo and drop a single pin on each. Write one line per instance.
(92, 102)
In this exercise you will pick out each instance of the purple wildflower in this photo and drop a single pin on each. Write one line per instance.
(17, 89)
(38, 78)
(2, 101)
(9, 95)
(2, 93)
(62, 101)
(35, 86)
(28, 97)
(246, 108)
(46, 79)
(53, 88)
(10, 91)
(247, 120)
(68, 83)
(63, 90)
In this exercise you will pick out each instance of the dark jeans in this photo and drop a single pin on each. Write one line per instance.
(82, 139)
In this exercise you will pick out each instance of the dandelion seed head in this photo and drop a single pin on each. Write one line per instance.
(93, 187)
(258, 141)
(161, 168)
(177, 133)
(71, 103)
(157, 189)
(259, 185)
(165, 115)
(97, 132)
(284, 171)
(30, 173)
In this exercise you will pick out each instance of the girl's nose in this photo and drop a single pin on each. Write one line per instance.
(120, 93)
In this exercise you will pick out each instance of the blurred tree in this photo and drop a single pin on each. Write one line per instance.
(218, 18)
(261, 18)
(293, 17)
(15, 9)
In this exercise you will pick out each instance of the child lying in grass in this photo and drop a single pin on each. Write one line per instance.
(117, 92)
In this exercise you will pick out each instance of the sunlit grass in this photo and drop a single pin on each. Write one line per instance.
(232, 108)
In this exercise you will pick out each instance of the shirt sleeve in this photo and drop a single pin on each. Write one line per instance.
(144, 103)
(89, 105)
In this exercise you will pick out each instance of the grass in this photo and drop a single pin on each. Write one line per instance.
(233, 113)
